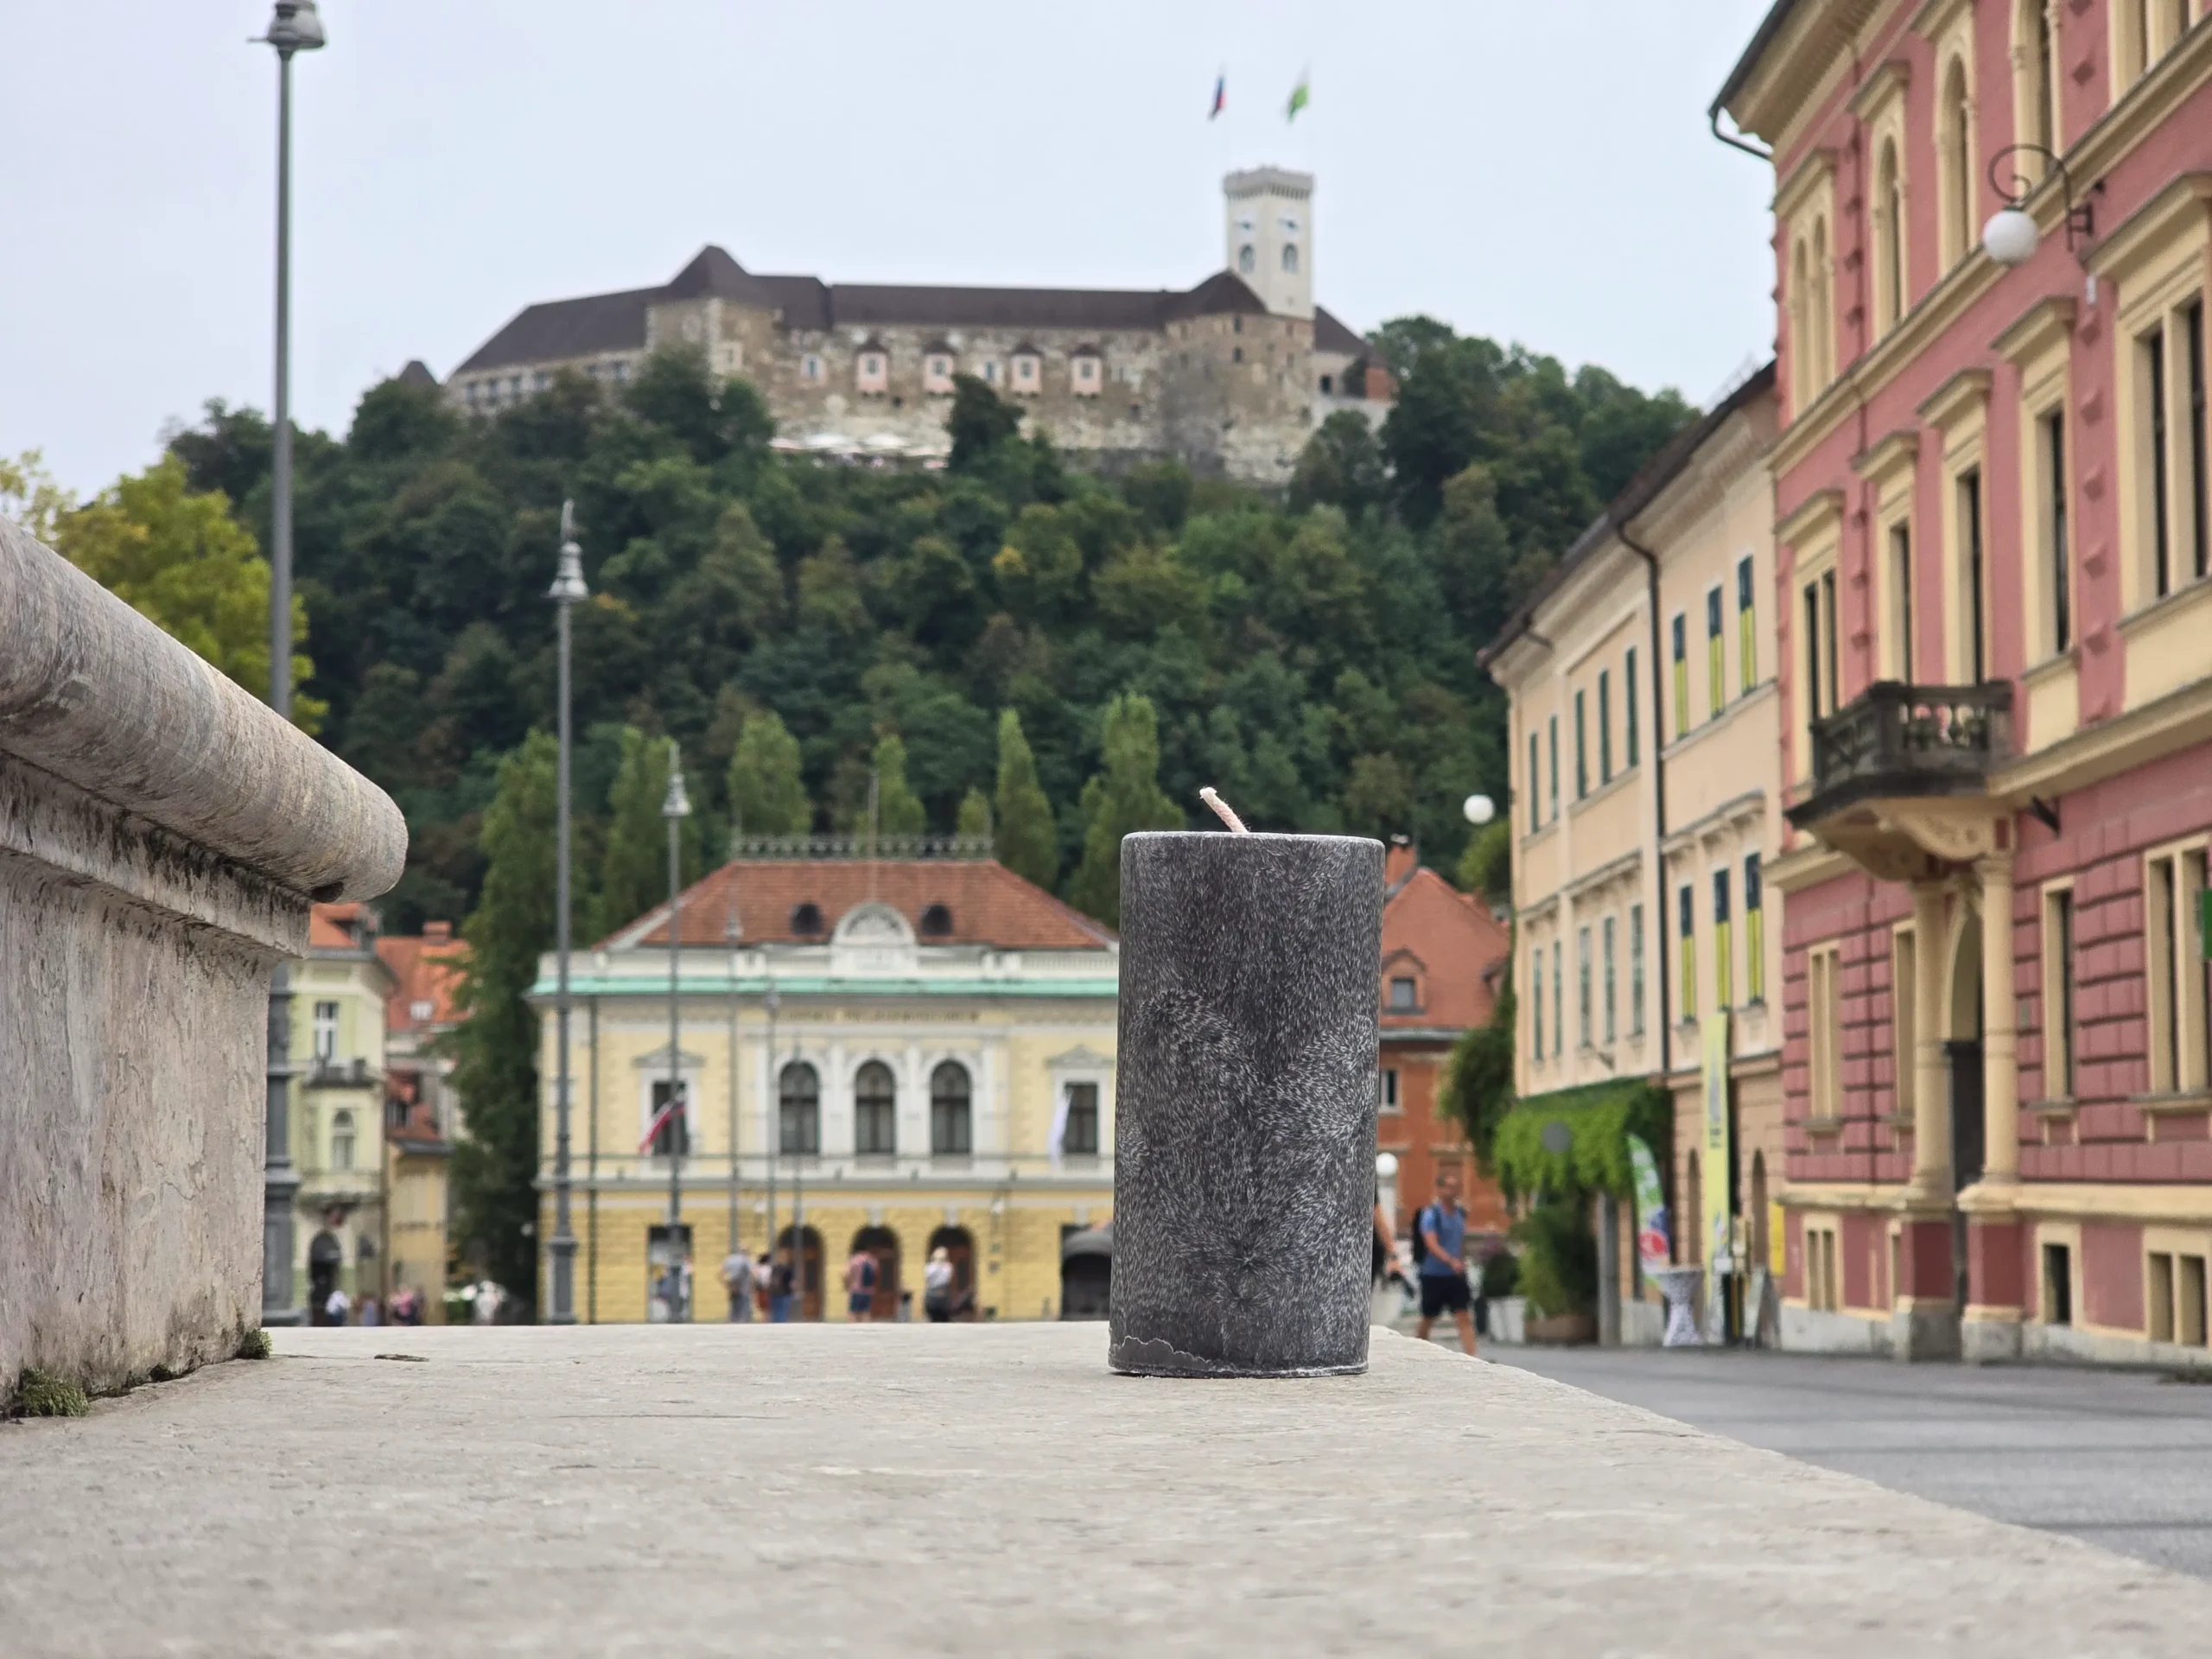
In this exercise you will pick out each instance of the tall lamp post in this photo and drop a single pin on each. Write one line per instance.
(567, 589)
(295, 28)
(675, 809)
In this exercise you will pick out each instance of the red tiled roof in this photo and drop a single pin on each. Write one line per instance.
(1452, 935)
(339, 927)
(989, 904)
(423, 970)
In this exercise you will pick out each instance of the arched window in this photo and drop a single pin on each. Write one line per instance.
(875, 1111)
(798, 1106)
(1955, 137)
(2044, 99)
(1804, 375)
(936, 922)
(1248, 260)
(949, 1115)
(1822, 301)
(341, 1140)
(806, 920)
(1889, 237)
(1290, 258)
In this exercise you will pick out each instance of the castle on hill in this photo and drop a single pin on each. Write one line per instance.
(1230, 376)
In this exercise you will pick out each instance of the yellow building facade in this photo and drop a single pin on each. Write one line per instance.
(337, 1105)
(883, 1055)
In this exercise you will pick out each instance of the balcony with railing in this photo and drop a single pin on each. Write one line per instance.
(1896, 741)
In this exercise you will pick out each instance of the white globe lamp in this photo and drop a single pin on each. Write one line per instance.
(2010, 237)
(1479, 809)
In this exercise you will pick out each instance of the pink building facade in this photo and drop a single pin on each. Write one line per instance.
(1994, 575)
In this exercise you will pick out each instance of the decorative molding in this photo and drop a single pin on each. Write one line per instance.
(1965, 394)
(1812, 516)
(1889, 80)
(1888, 456)
(2045, 325)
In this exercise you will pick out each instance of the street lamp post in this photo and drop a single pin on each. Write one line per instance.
(675, 809)
(295, 28)
(567, 589)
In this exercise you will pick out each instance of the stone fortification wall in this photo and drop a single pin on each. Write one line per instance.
(162, 836)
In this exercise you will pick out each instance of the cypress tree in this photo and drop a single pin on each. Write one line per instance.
(897, 809)
(1122, 796)
(974, 815)
(766, 794)
(634, 873)
(1027, 841)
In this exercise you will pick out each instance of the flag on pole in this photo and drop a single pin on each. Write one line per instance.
(1220, 95)
(1300, 96)
(674, 1106)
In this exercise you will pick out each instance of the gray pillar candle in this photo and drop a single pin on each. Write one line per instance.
(1244, 1113)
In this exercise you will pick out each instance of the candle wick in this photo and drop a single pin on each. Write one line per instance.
(1220, 807)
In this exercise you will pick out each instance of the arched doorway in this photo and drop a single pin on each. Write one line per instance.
(959, 1247)
(1087, 1273)
(883, 1244)
(326, 1254)
(807, 1258)
(1962, 1049)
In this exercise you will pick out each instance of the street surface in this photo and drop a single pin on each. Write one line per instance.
(2119, 1458)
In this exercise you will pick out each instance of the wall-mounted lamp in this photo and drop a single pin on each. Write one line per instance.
(2010, 238)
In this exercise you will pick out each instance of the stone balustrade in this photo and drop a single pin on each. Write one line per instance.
(162, 836)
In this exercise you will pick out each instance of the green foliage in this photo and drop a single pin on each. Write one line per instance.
(898, 810)
(1486, 867)
(255, 1345)
(767, 796)
(179, 558)
(42, 1393)
(975, 818)
(1123, 798)
(1599, 1119)
(634, 868)
(980, 421)
(1478, 1090)
(1341, 467)
(1559, 1255)
(1026, 841)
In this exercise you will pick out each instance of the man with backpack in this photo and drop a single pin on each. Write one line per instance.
(1439, 1247)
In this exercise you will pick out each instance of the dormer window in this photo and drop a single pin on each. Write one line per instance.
(1028, 373)
(872, 371)
(937, 371)
(806, 920)
(1405, 995)
(936, 923)
(1084, 369)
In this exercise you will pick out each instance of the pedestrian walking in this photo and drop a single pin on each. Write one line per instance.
(781, 1281)
(336, 1306)
(370, 1312)
(860, 1287)
(1442, 1227)
(937, 1287)
(737, 1279)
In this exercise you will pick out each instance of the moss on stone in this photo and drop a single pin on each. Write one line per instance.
(254, 1344)
(40, 1393)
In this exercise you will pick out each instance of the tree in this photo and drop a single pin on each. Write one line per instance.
(897, 809)
(979, 422)
(30, 497)
(974, 819)
(633, 871)
(177, 557)
(1486, 867)
(768, 796)
(1342, 467)
(1026, 841)
(495, 1164)
(1124, 797)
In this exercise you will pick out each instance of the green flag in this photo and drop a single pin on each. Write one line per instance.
(1300, 95)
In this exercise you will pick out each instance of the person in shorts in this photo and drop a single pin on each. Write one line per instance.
(1443, 1227)
(860, 1287)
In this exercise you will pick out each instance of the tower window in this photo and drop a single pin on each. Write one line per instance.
(1248, 259)
(1290, 258)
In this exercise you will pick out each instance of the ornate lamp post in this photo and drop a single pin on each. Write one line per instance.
(675, 809)
(295, 28)
(567, 589)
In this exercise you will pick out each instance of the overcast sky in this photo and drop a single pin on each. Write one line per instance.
(1535, 170)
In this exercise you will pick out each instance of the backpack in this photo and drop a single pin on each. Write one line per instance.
(1420, 1231)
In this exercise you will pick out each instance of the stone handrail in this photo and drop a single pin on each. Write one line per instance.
(95, 694)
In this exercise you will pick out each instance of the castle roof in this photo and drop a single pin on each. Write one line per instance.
(1332, 335)
(556, 329)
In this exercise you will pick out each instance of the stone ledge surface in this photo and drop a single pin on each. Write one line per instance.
(979, 1489)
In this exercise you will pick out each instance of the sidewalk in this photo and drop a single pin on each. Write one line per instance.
(976, 1490)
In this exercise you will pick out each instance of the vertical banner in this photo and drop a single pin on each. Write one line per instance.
(1718, 1233)
(1653, 1251)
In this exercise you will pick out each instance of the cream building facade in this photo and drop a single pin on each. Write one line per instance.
(881, 1055)
(1644, 785)
(337, 1102)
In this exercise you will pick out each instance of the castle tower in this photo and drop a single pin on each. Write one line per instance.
(1268, 221)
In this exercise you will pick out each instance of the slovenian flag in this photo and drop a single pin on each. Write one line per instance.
(1300, 96)
(1220, 95)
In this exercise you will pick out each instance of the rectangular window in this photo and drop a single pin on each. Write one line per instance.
(1747, 629)
(1581, 750)
(1536, 1004)
(672, 1138)
(1605, 726)
(1716, 677)
(1559, 997)
(1080, 1138)
(2151, 348)
(2172, 896)
(1815, 707)
(1405, 995)
(1635, 970)
(2158, 1295)
(1754, 931)
(2200, 533)
(1905, 1021)
(1825, 1023)
(1970, 577)
(1583, 997)
(2058, 1284)
(1724, 974)
(1681, 674)
(2055, 531)
(1613, 1018)
(1554, 747)
(1536, 789)
(1686, 932)
(1629, 705)
(2058, 995)
(1901, 589)
(1387, 1083)
(1827, 640)
(326, 1031)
